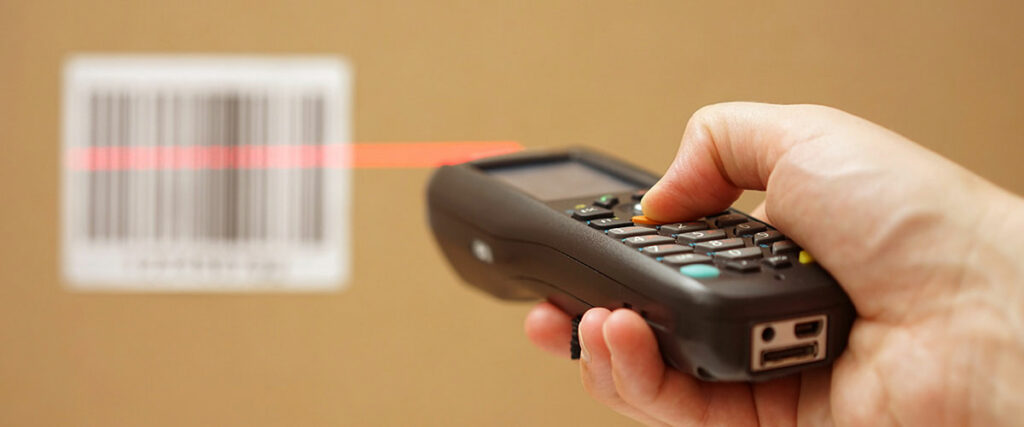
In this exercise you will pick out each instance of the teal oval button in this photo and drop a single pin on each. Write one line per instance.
(699, 271)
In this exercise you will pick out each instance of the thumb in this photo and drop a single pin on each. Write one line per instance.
(873, 207)
(727, 148)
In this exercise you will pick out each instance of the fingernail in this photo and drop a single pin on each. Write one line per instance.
(584, 353)
(645, 201)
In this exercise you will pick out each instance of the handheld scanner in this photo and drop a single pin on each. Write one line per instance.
(728, 297)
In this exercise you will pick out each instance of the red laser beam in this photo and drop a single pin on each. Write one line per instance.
(426, 154)
(306, 156)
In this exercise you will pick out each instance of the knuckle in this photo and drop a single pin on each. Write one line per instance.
(597, 386)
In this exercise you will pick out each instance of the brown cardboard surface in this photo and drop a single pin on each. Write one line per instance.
(406, 343)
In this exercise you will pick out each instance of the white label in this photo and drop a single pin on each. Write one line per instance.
(206, 173)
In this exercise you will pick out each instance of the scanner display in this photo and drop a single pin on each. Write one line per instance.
(560, 180)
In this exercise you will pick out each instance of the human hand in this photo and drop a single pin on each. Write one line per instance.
(930, 254)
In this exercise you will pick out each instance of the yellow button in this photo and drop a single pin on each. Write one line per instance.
(806, 258)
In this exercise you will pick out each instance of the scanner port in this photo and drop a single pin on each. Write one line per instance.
(788, 342)
(797, 353)
(807, 329)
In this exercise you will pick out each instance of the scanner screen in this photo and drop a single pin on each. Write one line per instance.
(560, 180)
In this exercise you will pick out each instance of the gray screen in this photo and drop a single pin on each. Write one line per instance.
(560, 180)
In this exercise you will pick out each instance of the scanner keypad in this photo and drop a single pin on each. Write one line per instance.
(719, 245)
(686, 259)
(682, 227)
(777, 261)
(740, 253)
(766, 237)
(730, 219)
(607, 223)
(748, 228)
(625, 232)
(591, 212)
(665, 250)
(700, 236)
(784, 247)
(728, 242)
(743, 265)
(606, 201)
(648, 240)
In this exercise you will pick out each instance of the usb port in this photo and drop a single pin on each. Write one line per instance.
(791, 354)
(807, 329)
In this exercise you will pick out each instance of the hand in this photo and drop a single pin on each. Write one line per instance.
(931, 255)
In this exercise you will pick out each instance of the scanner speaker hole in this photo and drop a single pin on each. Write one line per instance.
(768, 334)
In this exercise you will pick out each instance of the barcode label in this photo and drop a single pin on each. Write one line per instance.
(205, 173)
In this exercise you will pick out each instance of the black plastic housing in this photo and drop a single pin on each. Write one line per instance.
(539, 252)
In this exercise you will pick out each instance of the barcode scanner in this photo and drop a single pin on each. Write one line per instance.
(729, 297)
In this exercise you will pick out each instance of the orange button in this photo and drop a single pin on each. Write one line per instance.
(640, 219)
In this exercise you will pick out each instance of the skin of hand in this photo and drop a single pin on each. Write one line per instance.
(931, 255)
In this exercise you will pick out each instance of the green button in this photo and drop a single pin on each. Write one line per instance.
(699, 271)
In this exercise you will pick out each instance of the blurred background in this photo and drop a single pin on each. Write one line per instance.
(405, 342)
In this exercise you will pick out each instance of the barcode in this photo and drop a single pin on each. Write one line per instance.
(227, 204)
(185, 173)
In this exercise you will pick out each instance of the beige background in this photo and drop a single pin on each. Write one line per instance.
(406, 343)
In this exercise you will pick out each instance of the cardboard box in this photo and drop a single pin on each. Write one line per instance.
(406, 343)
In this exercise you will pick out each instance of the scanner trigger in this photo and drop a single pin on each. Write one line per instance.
(574, 340)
